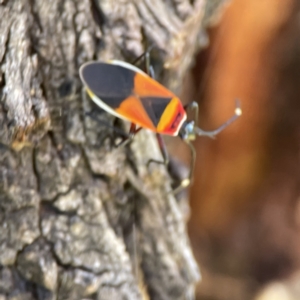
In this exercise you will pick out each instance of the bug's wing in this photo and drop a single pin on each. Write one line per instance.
(112, 84)
(163, 108)
(111, 87)
(134, 96)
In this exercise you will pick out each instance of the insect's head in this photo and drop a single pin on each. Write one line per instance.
(187, 131)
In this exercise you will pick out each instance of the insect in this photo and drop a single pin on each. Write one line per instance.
(128, 93)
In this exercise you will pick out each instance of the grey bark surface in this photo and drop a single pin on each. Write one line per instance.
(81, 219)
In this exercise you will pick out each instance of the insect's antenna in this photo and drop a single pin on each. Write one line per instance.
(187, 181)
(213, 133)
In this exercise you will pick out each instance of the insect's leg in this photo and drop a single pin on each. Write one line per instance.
(132, 132)
(151, 71)
(164, 152)
(193, 106)
(146, 56)
(126, 137)
(106, 124)
(187, 181)
(135, 62)
(143, 55)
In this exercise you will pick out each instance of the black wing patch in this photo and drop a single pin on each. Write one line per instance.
(111, 83)
(155, 106)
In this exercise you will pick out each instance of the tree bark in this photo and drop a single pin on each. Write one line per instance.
(81, 219)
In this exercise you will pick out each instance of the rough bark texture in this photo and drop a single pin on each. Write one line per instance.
(79, 217)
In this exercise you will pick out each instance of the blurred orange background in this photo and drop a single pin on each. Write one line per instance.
(245, 201)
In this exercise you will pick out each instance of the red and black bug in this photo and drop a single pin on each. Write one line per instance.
(128, 93)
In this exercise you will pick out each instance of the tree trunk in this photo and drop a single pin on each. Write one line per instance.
(81, 219)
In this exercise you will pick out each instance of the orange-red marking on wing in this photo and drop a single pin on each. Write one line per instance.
(146, 86)
(132, 109)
